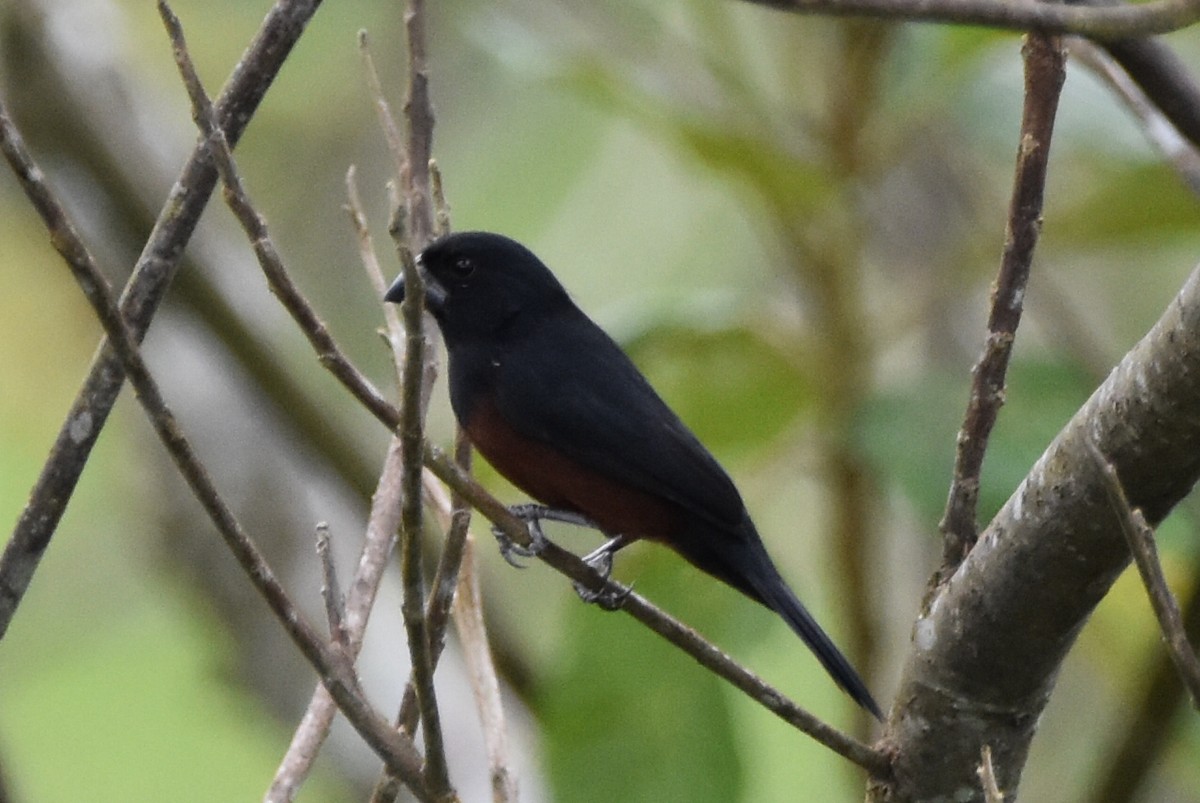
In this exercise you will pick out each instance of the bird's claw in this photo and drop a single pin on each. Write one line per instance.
(511, 551)
(610, 596)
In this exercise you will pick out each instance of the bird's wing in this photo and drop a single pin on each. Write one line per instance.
(588, 400)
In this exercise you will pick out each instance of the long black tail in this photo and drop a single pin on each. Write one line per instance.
(779, 598)
(743, 563)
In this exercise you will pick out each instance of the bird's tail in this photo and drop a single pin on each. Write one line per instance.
(775, 594)
(744, 564)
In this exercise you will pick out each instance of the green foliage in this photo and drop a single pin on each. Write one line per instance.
(655, 728)
(1109, 209)
(730, 385)
(137, 712)
(910, 433)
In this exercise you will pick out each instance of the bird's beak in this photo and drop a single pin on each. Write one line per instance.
(435, 294)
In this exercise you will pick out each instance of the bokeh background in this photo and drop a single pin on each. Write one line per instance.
(791, 223)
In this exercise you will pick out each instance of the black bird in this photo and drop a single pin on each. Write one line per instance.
(553, 403)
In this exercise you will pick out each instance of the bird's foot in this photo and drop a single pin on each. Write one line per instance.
(610, 596)
(511, 551)
(533, 515)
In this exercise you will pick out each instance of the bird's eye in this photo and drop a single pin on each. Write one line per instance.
(462, 267)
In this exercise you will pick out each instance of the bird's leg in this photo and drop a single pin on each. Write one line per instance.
(533, 515)
(602, 559)
(611, 595)
(533, 511)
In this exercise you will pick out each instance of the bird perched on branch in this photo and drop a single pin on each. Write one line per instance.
(556, 407)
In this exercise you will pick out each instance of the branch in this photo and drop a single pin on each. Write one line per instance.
(1164, 78)
(1145, 736)
(412, 438)
(410, 229)
(1099, 23)
(313, 729)
(468, 614)
(418, 118)
(1164, 132)
(331, 590)
(657, 620)
(1044, 75)
(458, 571)
(988, 647)
(330, 663)
(155, 268)
(264, 249)
(1141, 544)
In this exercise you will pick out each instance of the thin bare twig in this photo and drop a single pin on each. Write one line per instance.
(456, 569)
(455, 515)
(437, 607)
(1140, 537)
(1142, 740)
(441, 210)
(331, 590)
(468, 615)
(382, 523)
(987, 777)
(1044, 75)
(383, 110)
(330, 664)
(418, 120)
(410, 229)
(455, 519)
(457, 528)
(1100, 23)
(412, 438)
(153, 273)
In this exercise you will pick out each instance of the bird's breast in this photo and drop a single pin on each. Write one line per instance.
(555, 479)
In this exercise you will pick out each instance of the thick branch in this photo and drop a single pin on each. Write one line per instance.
(1100, 23)
(987, 650)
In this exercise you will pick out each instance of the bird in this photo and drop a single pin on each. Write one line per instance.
(557, 408)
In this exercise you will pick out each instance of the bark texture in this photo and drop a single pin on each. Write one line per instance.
(989, 643)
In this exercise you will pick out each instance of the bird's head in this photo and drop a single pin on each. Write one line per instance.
(480, 283)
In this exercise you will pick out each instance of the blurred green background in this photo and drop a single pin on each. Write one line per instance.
(791, 223)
